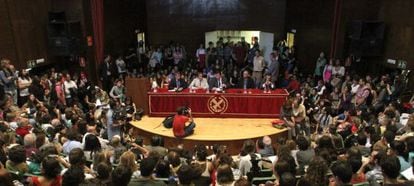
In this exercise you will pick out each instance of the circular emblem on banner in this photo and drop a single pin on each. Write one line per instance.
(217, 104)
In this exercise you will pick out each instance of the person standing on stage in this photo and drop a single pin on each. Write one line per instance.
(183, 124)
(258, 66)
(201, 57)
(199, 82)
(274, 66)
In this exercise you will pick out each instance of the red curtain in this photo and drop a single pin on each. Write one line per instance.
(98, 28)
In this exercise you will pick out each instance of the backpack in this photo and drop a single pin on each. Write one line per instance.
(168, 121)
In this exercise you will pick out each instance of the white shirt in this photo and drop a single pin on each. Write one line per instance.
(120, 64)
(25, 91)
(245, 163)
(200, 51)
(68, 85)
(197, 83)
(354, 88)
(340, 71)
(258, 63)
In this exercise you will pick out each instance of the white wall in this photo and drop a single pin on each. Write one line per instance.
(266, 45)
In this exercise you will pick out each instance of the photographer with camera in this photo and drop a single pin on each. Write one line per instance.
(183, 124)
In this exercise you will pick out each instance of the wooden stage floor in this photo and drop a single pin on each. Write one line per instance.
(225, 131)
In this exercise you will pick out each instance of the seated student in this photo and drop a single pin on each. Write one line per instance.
(224, 175)
(362, 141)
(103, 174)
(357, 176)
(5, 177)
(390, 166)
(121, 176)
(157, 145)
(17, 160)
(316, 173)
(342, 173)
(147, 167)
(264, 146)
(375, 174)
(50, 173)
(77, 163)
(247, 155)
(305, 154)
(185, 175)
(398, 148)
(73, 176)
(183, 124)
(287, 179)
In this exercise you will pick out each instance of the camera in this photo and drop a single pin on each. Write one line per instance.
(186, 111)
(120, 114)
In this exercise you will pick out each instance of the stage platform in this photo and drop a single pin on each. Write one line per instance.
(209, 131)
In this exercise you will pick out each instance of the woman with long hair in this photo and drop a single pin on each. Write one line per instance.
(200, 152)
(127, 159)
(316, 173)
(92, 146)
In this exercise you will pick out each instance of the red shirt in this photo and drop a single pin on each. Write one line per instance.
(293, 85)
(22, 131)
(179, 125)
(56, 182)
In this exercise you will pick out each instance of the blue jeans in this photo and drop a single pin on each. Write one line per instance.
(188, 130)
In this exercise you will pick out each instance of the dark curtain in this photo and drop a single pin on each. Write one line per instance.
(98, 29)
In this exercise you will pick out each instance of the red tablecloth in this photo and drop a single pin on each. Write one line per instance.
(231, 103)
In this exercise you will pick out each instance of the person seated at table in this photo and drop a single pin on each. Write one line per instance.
(268, 84)
(177, 82)
(217, 82)
(246, 82)
(200, 82)
(183, 123)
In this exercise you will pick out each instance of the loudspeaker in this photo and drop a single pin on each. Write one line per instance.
(75, 35)
(64, 38)
(59, 46)
(57, 17)
(57, 29)
(366, 38)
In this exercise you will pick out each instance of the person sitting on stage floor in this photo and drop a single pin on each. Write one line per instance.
(246, 82)
(200, 82)
(177, 82)
(183, 124)
(217, 82)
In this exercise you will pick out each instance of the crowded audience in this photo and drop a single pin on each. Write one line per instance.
(59, 128)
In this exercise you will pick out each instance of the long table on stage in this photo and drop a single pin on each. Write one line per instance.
(238, 103)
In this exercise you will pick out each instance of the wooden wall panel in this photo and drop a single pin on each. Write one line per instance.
(7, 44)
(313, 23)
(28, 24)
(122, 17)
(399, 42)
